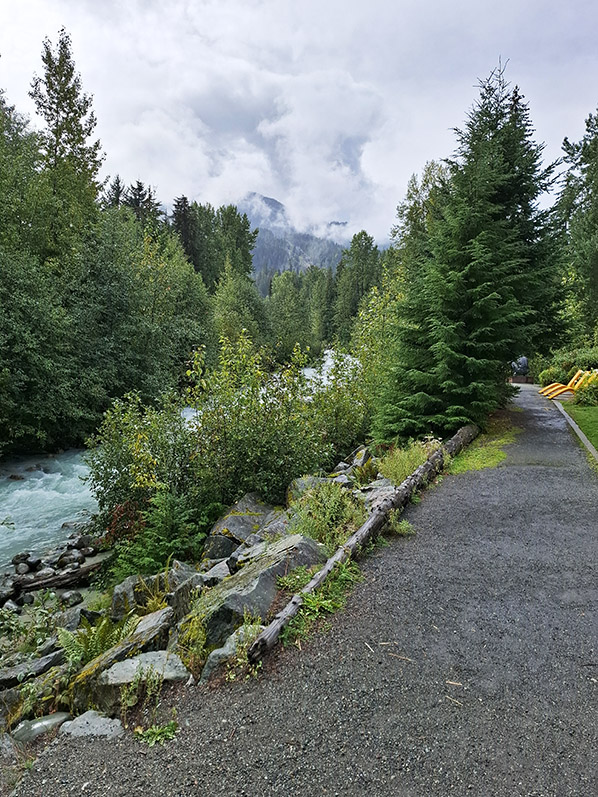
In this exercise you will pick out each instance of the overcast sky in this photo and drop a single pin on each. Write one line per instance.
(327, 105)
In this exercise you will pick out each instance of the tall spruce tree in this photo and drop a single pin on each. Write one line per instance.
(71, 161)
(483, 283)
(578, 206)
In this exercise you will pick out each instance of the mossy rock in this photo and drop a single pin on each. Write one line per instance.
(253, 588)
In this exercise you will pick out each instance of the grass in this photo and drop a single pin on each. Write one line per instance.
(329, 514)
(486, 451)
(399, 463)
(329, 598)
(587, 420)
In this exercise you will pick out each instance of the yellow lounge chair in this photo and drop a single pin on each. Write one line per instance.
(587, 378)
(556, 385)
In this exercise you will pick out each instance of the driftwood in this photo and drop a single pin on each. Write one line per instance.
(70, 578)
(378, 517)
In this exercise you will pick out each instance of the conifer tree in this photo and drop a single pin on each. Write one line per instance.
(484, 282)
(578, 207)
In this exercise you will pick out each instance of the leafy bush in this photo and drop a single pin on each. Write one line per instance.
(587, 395)
(341, 406)
(169, 527)
(162, 475)
(552, 374)
(329, 514)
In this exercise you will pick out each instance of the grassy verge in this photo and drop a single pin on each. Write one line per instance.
(486, 451)
(587, 420)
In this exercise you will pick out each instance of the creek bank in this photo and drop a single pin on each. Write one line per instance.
(204, 607)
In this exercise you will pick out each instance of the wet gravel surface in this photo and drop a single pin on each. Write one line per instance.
(465, 663)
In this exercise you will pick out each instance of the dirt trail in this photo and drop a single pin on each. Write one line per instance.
(465, 663)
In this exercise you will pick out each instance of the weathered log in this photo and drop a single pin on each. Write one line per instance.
(378, 517)
(69, 578)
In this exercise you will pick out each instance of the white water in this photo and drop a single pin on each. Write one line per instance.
(52, 492)
(33, 509)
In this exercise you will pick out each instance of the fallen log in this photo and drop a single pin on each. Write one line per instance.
(351, 548)
(69, 578)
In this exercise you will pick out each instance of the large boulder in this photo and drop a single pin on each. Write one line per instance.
(151, 633)
(93, 724)
(301, 485)
(253, 588)
(242, 519)
(14, 676)
(135, 591)
(165, 664)
(28, 730)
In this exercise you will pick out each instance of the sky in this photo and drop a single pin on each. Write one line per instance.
(328, 106)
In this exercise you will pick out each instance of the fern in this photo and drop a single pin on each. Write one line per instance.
(90, 641)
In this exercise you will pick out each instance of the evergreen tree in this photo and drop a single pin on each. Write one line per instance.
(578, 208)
(288, 316)
(142, 201)
(358, 270)
(71, 163)
(484, 282)
(114, 195)
(236, 239)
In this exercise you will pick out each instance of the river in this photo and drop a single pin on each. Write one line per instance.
(37, 495)
(47, 491)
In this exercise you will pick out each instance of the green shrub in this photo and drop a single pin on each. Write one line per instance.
(329, 514)
(587, 395)
(341, 406)
(88, 641)
(160, 480)
(168, 528)
(552, 374)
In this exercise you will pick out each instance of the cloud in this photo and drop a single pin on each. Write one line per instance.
(328, 106)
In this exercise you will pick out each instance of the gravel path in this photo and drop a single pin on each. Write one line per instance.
(465, 663)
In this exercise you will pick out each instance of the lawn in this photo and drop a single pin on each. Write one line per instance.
(587, 420)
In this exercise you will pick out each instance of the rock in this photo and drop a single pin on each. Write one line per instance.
(71, 598)
(33, 561)
(151, 634)
(20, 557)
(16, 477)
(28, 730)
(24, 599)
(72, 557)
(93, 724)
(276, 524)
(14, 676)
(360, 456)
(299, 486)
(45, 572)
(375, 492)
(79, 541)
(243, 518)
(9, 700)
(6, 592)
(108, 690)
(184, 595)
(135, 591)
(87, 552)
(9, 753)
(253, 588)
(70, 524)
(225, 653)
(219, 547)
(70, 618)
(341, 466)
(123, 597)
(11, 606)
(208, 564)
(342, 479)
(217, 573)
(48, 646)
